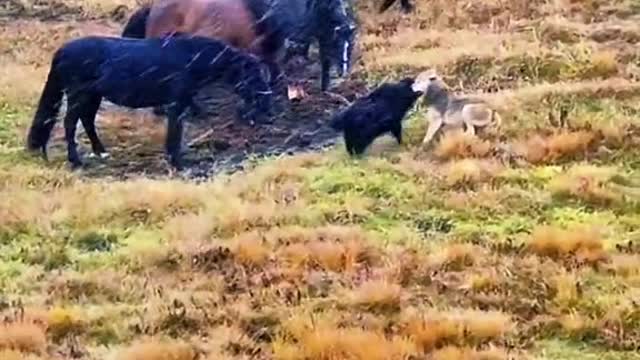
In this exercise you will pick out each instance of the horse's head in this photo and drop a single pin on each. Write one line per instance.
(343, 30)
(253, 87)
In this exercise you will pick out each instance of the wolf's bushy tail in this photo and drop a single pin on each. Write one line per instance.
(47, 111)
(137, 24)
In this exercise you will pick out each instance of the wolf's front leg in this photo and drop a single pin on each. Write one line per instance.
(435, 123)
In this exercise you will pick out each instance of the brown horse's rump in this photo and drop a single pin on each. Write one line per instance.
(226, 20)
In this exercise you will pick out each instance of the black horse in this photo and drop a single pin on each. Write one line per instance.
(329, 22)
(139, 73)
(404, 4)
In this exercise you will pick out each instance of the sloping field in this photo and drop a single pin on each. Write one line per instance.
(518, 245)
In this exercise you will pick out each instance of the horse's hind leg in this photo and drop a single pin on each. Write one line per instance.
(88, 118)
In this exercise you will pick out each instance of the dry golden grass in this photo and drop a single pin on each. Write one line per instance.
(470, 172)
(434, 329)
(159, 350)
(626, 265)
(567, 290)
(603, 64)
(88, 7)
(483, 282)
(456, 256)
(24, 337)
(251, 249)
(377, 295)
(459, 144)
(511, 100)
(334, 248)
(539, 149)
(576, 325)
(583, 243)
(62, 322)
(326, 341)
(587, 183)
(14, 355)
(457, 353)
(189, 227)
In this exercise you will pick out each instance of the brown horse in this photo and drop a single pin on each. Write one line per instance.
(239, 23)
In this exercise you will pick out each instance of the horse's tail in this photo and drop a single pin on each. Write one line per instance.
(47, 111)
(137, 24)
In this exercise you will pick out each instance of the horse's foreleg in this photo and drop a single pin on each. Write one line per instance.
(396, 131)
(88, 118)
(74, 110)
(406, 6)
(174, 133)
(277, 75)
(325, 62)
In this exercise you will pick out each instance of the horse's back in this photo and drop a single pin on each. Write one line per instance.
(227, 20)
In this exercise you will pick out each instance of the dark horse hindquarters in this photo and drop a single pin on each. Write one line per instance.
(149, 72)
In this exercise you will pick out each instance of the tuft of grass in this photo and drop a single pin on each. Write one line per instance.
(465, 353)
(567, 290)
(625, 265)
(435, 329)
(602, 64)
(25, 337)
(64, 322)
(470, 172)
(583, 243)
(460, 144)
(455, 257)
(577, 326)
(377, 295)
(251, 249)
(158, 350)
(562, 145)
(322, 339)
(589, 184)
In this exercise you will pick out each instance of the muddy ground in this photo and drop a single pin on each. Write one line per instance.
(216, 141)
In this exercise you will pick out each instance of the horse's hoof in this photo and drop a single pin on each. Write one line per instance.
(176, 166)
(43, 153)
(101, 155)
(76, 165)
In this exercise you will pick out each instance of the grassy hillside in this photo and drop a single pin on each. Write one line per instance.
(522, 244)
